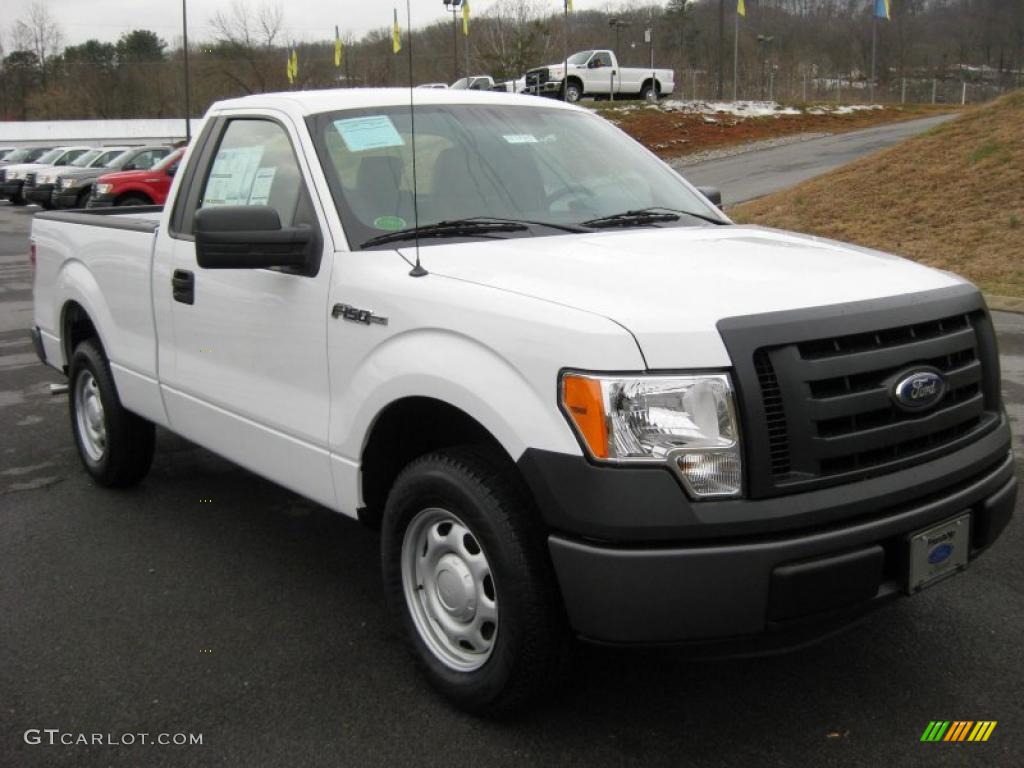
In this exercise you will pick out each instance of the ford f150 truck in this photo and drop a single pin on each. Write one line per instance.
(598, 74)
(148, 186)
(577, 399)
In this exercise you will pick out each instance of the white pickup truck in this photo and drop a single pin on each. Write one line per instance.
(598, 74)
(577, 398)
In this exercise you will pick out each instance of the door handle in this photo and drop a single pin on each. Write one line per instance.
(183, 286)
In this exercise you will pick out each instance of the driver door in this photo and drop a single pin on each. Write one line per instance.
(248, 374)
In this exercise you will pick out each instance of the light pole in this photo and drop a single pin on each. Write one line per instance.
(617, 24)
(454, 6)
(184, 55)
(765, 40)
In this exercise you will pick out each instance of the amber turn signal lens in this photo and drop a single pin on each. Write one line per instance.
(584, 403)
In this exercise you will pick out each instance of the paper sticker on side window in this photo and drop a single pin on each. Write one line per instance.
(260, 194)
(362, 133)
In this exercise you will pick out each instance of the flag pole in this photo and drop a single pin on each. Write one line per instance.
(565, 64)
(736, 58)
(874, 49)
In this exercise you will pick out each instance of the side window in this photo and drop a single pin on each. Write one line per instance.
(603, 60)
(254, 164)
(145, 160)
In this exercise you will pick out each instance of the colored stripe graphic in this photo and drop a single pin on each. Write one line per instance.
(935, 731)
(958, 730)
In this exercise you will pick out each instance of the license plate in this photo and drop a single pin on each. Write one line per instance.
(938, 552)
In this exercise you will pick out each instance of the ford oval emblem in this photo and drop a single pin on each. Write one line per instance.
(919, 389)
(940, 554)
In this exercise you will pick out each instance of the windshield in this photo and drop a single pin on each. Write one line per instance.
(460, 85)
(581, 58)
(171, 161)
(84, 160)
(105, 157)
(26, 155)
(531, 163)
(48, 157)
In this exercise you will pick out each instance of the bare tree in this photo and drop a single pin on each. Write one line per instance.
(40, 34)
(246, 44)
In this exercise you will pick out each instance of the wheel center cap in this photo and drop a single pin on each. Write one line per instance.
(456, 588)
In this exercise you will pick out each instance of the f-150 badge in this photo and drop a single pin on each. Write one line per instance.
(356, 315)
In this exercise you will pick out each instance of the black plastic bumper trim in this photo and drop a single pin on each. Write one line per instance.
(701, 593)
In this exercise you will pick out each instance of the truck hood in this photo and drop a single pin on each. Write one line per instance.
(669, 287)
(114, 177)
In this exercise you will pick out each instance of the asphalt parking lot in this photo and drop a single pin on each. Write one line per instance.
(209, 601)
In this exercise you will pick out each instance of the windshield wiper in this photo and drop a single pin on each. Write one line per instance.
(644, 216)
(454, 228)
(473, 225)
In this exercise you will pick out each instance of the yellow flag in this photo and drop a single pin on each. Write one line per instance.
(288, 69)
(465, 17)
(568, 6)
(741, 8)
(396, 35)
(339, 49)
(295, 65)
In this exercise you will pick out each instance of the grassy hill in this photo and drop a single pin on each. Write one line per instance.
(952, 198)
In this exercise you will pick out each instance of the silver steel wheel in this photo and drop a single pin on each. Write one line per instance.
(449, 589)
(92, 424)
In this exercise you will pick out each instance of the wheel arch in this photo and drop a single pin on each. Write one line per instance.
(411, 427)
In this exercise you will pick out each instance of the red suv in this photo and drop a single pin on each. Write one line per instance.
(137, 187)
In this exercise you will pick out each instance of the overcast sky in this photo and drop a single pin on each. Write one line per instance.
(304, 19)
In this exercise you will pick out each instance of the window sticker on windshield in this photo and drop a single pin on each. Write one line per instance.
(520, 138)
(363, 133)
(389, 222)
(260, 194)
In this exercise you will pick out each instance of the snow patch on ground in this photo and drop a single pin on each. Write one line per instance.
(744, 109)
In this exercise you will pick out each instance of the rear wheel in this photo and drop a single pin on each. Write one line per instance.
(467, 575)
(650, 92)
(115, 445)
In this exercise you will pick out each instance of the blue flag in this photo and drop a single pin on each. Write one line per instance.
(882, 9)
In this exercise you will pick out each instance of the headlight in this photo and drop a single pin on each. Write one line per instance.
(686, 422)
(68, 183)
(104, 189)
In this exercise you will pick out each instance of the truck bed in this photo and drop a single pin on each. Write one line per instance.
(101, 260)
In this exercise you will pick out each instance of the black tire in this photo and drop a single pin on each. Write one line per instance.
(83, 198)
(531, 640)
(650, 92)
(129, 439)
(17, 198)
(573, 92)
(133, 200)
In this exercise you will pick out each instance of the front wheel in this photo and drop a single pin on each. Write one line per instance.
(467, 574)
(115, 446)
(572, 93)
(132, 200)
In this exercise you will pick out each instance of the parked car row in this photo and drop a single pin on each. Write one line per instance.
(82, 176)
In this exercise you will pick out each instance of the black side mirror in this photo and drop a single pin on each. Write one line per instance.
(249, 237)
(713, 194)
(171, 171)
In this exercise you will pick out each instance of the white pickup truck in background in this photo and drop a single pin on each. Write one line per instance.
(598, 74)
(575, 397)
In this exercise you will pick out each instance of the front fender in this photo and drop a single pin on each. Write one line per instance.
(458, 370)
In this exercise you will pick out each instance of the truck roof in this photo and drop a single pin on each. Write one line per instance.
(314, 102)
